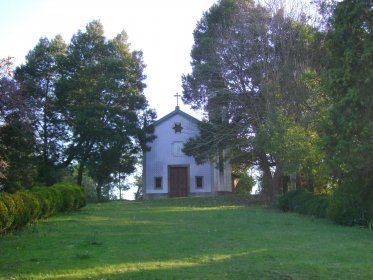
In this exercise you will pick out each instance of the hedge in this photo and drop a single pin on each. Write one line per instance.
(305, 202)
(25, 206)
(351, 204)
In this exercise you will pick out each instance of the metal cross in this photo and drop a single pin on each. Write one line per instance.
(177, 95)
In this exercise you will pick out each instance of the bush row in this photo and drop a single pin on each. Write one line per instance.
(25, 206)
(305, 202)
(348, 205)
(352, 203)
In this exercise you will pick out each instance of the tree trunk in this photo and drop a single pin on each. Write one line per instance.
(80, 173)
(310, 180)
(87, 150)
(267, 178)
(45, 125)
(277, 182)
(298, 182)
(285, 184)
(272, 184)
(99, 191)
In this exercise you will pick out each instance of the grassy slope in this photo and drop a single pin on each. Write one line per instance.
(192, 238)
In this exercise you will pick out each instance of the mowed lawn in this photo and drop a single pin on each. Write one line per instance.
(186, 238)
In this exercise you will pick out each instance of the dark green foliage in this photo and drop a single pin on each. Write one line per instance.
(245, 184)
(16, 147)
(285, 202)
(48, 200)
(320, 205)
(352, 203)
(23, 207)
(22, 215)
(32, 204)
(44, 201)
(72, 197)
(100, 97)
(36, 79)
(250, 62)
(304, 202)
(78, 105)
(4, 216)
(9, 203)
(348, 125)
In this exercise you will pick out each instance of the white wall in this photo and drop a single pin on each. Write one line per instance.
(161, 156)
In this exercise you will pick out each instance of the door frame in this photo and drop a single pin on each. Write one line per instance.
(169, 176)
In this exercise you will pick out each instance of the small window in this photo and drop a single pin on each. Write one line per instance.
(199, 182)
(177, 149)
(158, 182)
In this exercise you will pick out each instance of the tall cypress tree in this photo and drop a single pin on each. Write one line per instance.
(348, 126)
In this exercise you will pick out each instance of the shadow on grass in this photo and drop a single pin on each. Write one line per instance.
(198, 267)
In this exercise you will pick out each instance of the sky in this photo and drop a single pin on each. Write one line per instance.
(162, 29)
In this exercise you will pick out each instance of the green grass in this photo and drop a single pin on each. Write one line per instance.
(189, 238)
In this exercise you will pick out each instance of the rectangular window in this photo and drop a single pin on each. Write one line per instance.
(199, 182)
(158, 182)
(177, 149)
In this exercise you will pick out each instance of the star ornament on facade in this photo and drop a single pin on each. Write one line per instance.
(177, 127)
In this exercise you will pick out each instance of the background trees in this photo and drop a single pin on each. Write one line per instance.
(37, 79)
(251, 69)
(100, 98)
(17, 167)
(87, 107)
(348, 126)
(5, 67)
(292, 98)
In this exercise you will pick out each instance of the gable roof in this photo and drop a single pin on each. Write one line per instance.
(177, 111)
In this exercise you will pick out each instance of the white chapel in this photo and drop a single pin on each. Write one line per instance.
(167, 171)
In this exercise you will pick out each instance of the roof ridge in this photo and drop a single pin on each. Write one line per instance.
(177, 111)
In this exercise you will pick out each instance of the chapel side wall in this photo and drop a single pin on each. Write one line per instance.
(161, 156)
(222, 181)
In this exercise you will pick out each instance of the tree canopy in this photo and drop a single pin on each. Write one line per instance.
(348, 123)
(289, 97)
(250, 67)
(87, 106)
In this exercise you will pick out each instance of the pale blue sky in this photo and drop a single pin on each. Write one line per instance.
(162, 29)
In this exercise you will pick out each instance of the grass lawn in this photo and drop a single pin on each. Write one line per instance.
(185, 238)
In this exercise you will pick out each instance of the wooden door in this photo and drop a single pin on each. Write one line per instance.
(178, 180)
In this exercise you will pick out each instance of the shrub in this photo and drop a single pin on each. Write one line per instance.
(317, 205)
(22, 214)
(352, 203)
(341, 208)
(23, 207)
(57, 196)
(55, 200)
(5, 221)
(301, 201)
(245, 184)
(32, 203)
(67, 196)
(304, 202)
(286, 201)
(44, 200)
(72, 196)
(8, 201)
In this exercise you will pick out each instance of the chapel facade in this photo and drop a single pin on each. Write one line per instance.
(167, 171)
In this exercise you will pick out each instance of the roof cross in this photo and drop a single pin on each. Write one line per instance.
(177, 95)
